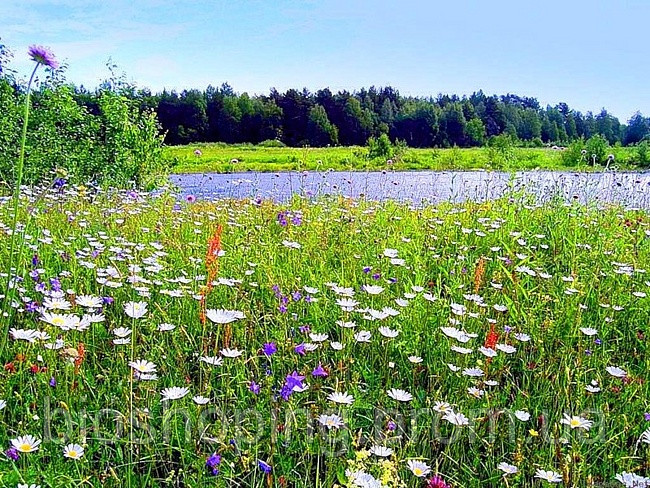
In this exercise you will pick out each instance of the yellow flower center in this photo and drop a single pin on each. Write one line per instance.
(575, 423)
(58, 321)
(417, 471)
(72, 454)
(25, 447)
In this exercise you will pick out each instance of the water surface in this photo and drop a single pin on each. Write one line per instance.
(631, 189)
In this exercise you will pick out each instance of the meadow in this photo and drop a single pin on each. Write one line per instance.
(227, 158)
(151, 342)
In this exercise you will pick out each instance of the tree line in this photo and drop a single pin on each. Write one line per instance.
(299, 117)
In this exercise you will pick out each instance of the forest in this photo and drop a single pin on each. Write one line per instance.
(300, 117)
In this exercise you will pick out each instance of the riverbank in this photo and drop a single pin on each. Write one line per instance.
(222, 158)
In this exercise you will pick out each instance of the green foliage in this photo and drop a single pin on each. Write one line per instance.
(217, 157)
(132, 144)
(299, 117)
(643, 153)
(320, 131)
(537, 142)
(272, 143)
(575, 154)
(380, 147)
(118, 144)
(62, 135)
(10, 118)
(475, 131)
(597, 149)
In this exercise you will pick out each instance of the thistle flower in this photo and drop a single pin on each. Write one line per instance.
(43, 55)
(437, 482)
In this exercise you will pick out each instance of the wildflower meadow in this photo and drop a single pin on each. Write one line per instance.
(152, 340)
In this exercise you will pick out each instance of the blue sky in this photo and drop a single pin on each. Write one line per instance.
(588, 54)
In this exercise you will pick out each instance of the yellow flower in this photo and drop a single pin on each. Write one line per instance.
(533, 432)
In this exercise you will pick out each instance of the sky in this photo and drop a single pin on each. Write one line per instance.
(589, 54)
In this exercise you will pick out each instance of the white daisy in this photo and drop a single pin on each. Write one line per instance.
(223, 316)
(174, 393)
(212, 360)
(342, 398)
(507, 468)
(588, 331)
(135, 310)
(143, 366)
(332, 421)
(550, 476)
(372, 289)
(200, 400)
(26, 443)
(456, 418)
(73, 451)
(418, 468)
(381, 451)
(388, 332)
(399, 395)
(231, 353)
(362, 336)
(576, 422)
(473, 372)
(616, 372)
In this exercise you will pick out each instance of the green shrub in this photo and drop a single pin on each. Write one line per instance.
(597, 149)
(537, 142)
(119, 146)
(575, 154)
(380, 147)
(272, 143)
(132, 144)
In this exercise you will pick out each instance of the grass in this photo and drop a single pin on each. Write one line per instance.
(497, 270)
(222, 158)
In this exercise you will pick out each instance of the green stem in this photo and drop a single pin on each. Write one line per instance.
(6, 308)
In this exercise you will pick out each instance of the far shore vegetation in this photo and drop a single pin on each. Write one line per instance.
(501, 154)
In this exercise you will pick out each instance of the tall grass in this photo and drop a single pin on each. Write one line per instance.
(498, 269)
